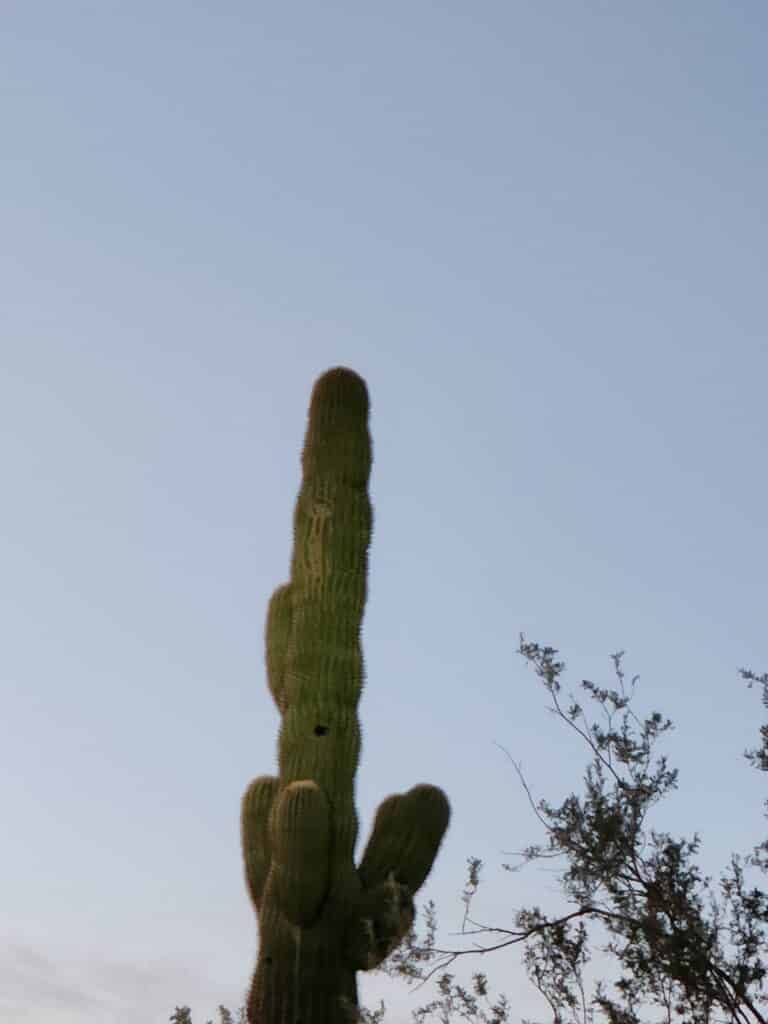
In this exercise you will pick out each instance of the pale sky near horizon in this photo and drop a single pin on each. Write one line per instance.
(538, 231)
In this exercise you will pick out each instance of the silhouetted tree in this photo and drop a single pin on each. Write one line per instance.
(681, 944)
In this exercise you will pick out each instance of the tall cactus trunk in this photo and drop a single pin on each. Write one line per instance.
(301, 977)
(321, 919)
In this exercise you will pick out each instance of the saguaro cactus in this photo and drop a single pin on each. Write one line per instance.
(321, 919)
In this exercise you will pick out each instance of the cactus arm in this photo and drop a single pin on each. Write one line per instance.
(278, 634)
(256, 806)
(406, 836)
(383, 918)
(301, 835)
(407, 833)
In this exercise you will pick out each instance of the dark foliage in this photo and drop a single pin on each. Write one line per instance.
(680, 946)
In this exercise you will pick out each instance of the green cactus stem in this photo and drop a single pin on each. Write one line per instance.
(321, 919)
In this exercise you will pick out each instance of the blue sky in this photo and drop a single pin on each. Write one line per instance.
(538, 230)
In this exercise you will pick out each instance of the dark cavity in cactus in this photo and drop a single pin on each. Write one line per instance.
(321, 919)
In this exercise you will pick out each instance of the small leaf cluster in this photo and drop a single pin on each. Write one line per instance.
(183, 1015)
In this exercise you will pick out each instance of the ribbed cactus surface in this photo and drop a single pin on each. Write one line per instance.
(321, 919)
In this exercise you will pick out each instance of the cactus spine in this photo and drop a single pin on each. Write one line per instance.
(321, 919)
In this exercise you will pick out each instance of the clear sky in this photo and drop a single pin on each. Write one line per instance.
(538, 230)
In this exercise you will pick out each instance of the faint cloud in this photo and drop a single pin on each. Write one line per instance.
(38, 987)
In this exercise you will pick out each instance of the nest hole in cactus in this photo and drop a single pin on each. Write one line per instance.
(321, 730)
